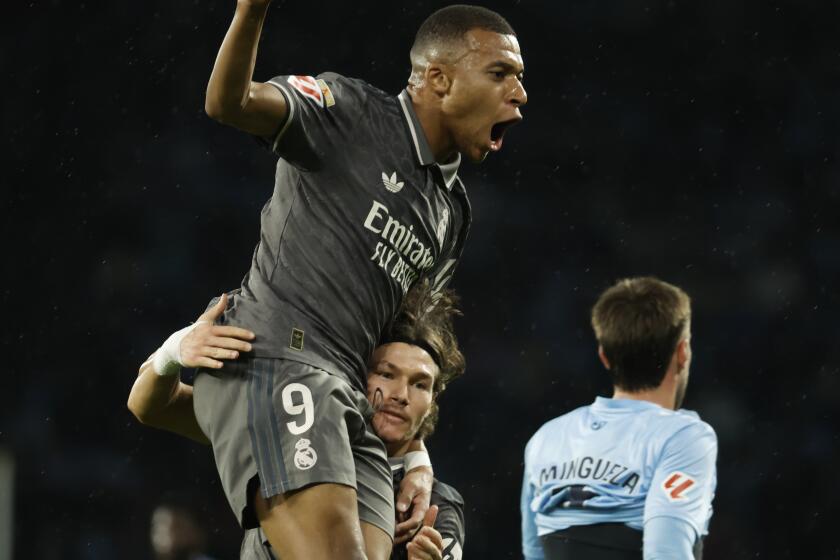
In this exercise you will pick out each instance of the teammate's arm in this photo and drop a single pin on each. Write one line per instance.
(232, 97)
(414, 497)
(164, 402)
(158, 397)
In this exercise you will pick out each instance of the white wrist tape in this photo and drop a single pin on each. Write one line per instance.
(416, 459)
(168, 357)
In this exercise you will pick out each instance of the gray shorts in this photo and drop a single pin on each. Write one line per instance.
(286, 425)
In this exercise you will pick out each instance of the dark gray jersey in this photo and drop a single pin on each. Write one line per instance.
(360, 212)
(449, 522)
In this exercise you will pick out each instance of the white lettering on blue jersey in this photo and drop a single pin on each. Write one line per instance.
(617, 461)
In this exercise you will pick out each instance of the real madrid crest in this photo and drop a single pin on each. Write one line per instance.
(305, 456)
(442, 225)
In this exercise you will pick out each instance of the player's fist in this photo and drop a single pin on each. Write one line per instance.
(207, 343)
(427, 544)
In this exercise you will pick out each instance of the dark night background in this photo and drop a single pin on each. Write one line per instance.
(697, 141)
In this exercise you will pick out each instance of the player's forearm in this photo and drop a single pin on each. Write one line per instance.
(179, 417)
(151, 393)
(230, 82)
(164, 402)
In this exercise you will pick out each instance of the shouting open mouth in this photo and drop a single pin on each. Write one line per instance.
(497, 133)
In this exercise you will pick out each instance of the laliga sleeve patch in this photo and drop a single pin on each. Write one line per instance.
(309, 87)
(325, 90)
(677, 485)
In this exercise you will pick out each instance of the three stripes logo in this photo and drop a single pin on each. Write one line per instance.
(676, 486)
(391, 182)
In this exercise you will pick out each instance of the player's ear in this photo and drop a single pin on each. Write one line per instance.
(603, 357)
(683, 353)
(437, 78)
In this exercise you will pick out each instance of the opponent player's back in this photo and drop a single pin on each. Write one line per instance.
(602, 464)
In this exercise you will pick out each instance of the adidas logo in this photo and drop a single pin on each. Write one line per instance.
(391, 182)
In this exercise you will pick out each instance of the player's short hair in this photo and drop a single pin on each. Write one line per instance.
(638, 322)
(425, 319)
(450, 24)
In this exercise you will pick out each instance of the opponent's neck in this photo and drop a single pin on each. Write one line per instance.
(661, 395)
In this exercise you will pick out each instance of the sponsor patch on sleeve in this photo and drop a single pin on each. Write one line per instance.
(677, 486)
(316, 90)
(329, 100)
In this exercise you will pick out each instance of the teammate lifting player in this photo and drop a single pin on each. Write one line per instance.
(415, 362)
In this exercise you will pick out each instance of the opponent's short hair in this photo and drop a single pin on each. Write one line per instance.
(450, 24)
(638, 322)
(425, 319)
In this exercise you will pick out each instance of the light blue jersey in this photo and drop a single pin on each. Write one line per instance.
(617, 461)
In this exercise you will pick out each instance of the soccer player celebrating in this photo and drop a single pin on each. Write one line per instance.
(632, 476)
(366, 201)
(414, 363)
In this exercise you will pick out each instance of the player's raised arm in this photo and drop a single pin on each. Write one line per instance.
(232, 97)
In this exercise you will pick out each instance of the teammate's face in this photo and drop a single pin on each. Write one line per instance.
(485, 93)
(400, 383)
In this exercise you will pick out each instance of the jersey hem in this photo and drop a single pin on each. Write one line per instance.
(326, 366)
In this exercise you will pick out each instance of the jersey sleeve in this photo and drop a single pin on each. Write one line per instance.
(531, 546)
(668, 538)
(323, 112)
(450, 525)
(684, 479)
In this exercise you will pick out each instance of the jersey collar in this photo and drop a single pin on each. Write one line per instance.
(625, 404)
(421, 144)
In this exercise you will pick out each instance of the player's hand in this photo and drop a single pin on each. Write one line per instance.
(413, 502)
(209, 343)
(254, 3)
(427, 544)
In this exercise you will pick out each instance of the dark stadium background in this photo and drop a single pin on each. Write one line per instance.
(697, 141)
